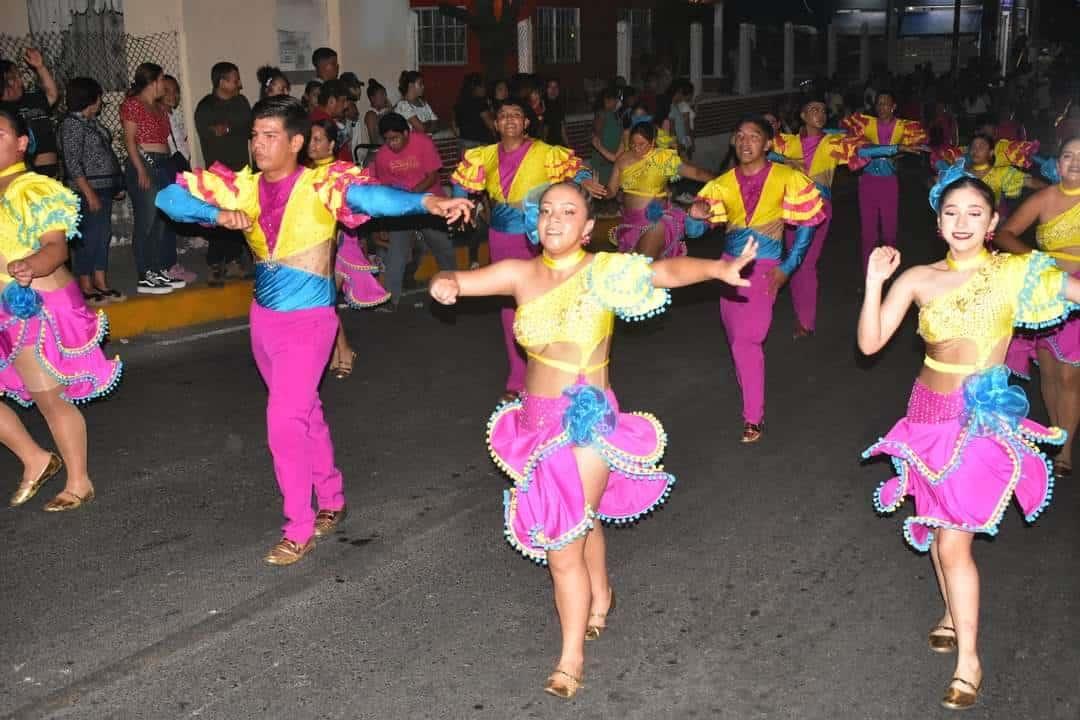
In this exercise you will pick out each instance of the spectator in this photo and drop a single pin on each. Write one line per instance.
(223, 122)
(311, 95)
(92, 171)
(35, 108)
(149, 169)
(370, 138)
(473, 119)
(412, 105)
(333, 96)
(556, 114)
(272, 82)
(410, 161)
(500, 90)
(325, 61)
(606, 135)
(180, 151)
(682, 116)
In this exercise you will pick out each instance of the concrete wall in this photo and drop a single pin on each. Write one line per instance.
(374, 41)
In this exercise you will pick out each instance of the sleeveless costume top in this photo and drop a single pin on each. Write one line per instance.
(1060, 232)
(649, 176)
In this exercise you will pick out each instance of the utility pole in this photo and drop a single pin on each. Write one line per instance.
(955, 59)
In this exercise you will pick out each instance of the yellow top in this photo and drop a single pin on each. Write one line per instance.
(542, 164)
(904, 132)
(314, 208)
(788, 197)
(1008, 291)
(664, 140)
(649, 176)
(833, 150)
(1060, 232)
(33, 205)
(581, 310)
(1004, 180)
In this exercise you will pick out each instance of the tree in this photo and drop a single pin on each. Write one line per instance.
(496, 36)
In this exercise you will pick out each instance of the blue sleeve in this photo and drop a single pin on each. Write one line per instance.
(695, 228)
(803, 236)
(1047, 168)
(180, 205)
(877, 151)
(458, 191)
(776, 157)
(382, 201)
(582, 175)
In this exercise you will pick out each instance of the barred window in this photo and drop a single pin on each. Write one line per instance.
(558, 35)
(441, 39)
(640, 21)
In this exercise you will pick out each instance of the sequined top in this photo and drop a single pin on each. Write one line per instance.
(1060, 232)
(33, 205)
(649, 176)
(581, 310)
(1007, 291)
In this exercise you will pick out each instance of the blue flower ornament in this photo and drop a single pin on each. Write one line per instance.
(22, 302)
(589, 415)
(989, 401)
(945, 178)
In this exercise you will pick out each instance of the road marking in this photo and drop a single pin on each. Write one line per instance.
(204, 335)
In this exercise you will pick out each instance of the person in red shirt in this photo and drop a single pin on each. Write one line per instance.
(333, 100)
(410, 161)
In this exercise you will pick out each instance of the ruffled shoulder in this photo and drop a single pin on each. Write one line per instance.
(39, 205)
(1039, 285)
(221, 186)
(1010, 180)
(947, 154)
(471, 172)
(330, 183)
(622, 282)
(802, 204)
(668, 162)
(788, 145)
(856, 123)
(912, 132)
(1018, 153)
(561, 163)
(712, 194)
(844, 149)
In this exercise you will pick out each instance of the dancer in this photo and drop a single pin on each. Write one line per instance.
(651, 224)
(1056, 209)
(507, 171)
(354, 273)
(757, 199)
(288, 214)
(50, 352)
(817, 153)
(999, 164)
(640, 113)
(572, 455)
(965, 447)
(883, 137)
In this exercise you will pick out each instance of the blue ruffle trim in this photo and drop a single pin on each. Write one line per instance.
(1040, 263)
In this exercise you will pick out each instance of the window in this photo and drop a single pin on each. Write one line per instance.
(640, 21)
(558, 35)
(440, 39)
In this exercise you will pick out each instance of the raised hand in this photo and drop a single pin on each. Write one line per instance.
(234, 220)
(34, 58)
(883, 263)
(730, 271)
(700, 210)
(444, 288)
(452, 209)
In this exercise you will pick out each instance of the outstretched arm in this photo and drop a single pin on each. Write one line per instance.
(693, 172)
(180, 205)
(496, 279)
(382, 201)
(878, 321)
(682, 271)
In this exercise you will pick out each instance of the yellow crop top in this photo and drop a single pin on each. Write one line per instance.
(581, 309)
(33, 205)
(1060, 232)
(478, 170)
(649, 176)
(1008, 291)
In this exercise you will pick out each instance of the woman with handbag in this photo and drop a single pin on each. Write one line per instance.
(93, 171)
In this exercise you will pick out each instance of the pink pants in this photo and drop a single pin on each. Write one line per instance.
(804, 281)
(747, 313)
(291, 350)
(502, 246)
(879, 196)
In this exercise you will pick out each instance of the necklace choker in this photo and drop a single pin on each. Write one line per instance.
(1071, 192)
(562, 263)
(969, 264)
(13, 169)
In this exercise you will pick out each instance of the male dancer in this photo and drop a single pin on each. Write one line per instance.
(507, 171)
(882, 138)
(288, 214)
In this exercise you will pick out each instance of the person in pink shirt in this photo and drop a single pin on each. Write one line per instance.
(410, 161)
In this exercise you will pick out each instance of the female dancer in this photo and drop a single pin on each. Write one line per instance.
(756, 200)
(640, 113)
(1056, 209)
(996, 164)
(353, 271)
(49, 352)
(651, 224)
(573, 456)
(965, 447)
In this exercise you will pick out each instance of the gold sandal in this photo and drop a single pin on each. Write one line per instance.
(59, 504)
(342, 369)
(942, 642)
(751, 432)
(592, 632)
(26, 492)
(562, 684)
(328, 520)
(287, 551)
(957, 698)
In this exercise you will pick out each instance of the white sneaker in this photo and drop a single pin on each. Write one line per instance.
(151, 284)
(174, 283)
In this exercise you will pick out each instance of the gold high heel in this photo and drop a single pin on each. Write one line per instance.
(958, 698)
(61, 504)
(28, 491)
(593, 631)
(942, 642)
(562, 684)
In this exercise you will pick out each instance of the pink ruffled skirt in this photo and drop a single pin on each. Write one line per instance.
(962, 476)
(357, 273)
(636, 223)
(1063, 343)
(531, 441)
(65, 337)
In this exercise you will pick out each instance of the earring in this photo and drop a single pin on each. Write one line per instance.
(989, 236)
(939, 233)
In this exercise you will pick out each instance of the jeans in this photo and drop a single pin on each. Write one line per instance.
(155, 240)
(401, 243)
(92, 246)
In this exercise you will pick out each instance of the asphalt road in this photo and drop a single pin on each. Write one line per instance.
(765, 588)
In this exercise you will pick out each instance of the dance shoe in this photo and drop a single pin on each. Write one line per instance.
(26, 492)
(751, 432)
(67, 500)
(562, 684)
(328, 520)
(942, 639)
(593, 631)
(959, 698)
(286, 552)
